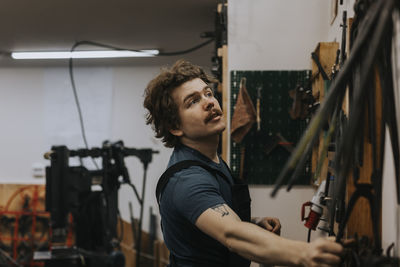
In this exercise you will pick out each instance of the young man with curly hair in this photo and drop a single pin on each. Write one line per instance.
(204, 211)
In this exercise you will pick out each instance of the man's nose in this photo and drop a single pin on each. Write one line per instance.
(209, 104)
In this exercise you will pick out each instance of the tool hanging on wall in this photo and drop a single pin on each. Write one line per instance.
(259, 88)
(242, 120)
(275, 102)
(278, 140)
(344, 26)
(321, 70)
(244, 115)
(304, 103)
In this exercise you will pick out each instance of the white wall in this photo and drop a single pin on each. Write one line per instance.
(275, 34)
(17, 120)
(390, 209)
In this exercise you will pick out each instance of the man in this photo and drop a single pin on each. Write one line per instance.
(205, 220)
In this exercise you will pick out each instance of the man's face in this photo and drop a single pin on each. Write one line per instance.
(199, 111)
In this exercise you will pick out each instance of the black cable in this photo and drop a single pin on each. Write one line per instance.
(309, 235)
(121, 226)
(71, 75)
(90, 254)
(79, 43)
(10, 259)
(140, 200)
(139, 236)
(176, 53)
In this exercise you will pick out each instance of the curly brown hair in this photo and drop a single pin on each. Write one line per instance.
(162, 110)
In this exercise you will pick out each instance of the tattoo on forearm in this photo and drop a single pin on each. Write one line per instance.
(220, 208)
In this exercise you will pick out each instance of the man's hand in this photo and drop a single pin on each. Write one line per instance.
(268, 223)
(322, 252)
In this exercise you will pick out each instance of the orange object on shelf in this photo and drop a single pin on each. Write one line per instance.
(24, 223)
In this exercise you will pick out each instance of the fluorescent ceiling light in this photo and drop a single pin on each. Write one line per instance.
(84, 54)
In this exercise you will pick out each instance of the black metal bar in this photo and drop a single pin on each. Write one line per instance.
(320, 68)
(139, 245)
(343, 43)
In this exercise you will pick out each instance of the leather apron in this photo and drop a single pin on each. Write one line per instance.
(240, 201)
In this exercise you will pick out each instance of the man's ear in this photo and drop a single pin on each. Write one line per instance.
(176, 132)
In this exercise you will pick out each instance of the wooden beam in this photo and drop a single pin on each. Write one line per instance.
(225, 100)
(326, 52)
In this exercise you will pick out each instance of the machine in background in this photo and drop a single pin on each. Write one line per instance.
(92, 214)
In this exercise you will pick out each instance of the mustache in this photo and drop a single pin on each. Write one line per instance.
(214, 113)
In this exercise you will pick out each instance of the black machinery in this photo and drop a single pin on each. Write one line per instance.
(94, 213)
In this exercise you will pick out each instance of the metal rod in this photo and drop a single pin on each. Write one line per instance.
(139, 241)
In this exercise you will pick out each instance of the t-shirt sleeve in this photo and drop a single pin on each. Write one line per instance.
(196, 191)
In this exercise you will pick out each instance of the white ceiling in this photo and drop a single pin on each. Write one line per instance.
(54, 25)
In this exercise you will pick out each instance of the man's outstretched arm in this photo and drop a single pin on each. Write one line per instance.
(259, 245)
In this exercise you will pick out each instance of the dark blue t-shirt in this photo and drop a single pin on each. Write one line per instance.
(187, 195)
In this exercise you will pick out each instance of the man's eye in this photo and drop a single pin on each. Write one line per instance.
(209, 93)
(193, 101)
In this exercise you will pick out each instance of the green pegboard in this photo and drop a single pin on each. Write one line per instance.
(260, 167)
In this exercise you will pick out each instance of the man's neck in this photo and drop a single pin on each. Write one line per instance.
(206, 147)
